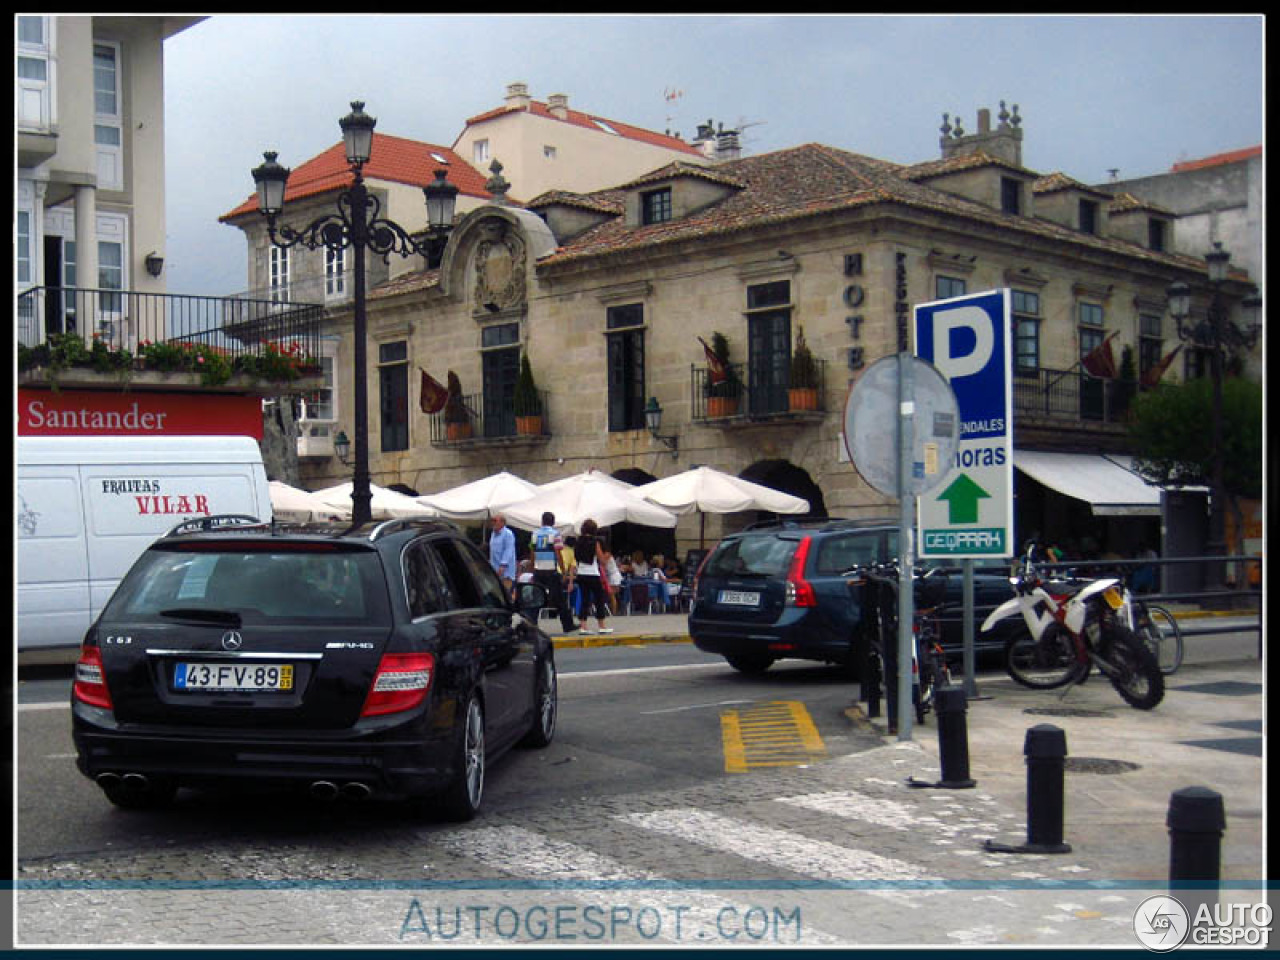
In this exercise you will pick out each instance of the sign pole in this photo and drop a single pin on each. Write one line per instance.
(906, 519)
(970, 680)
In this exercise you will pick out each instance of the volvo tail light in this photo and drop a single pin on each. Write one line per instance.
(799, 590)
(91, 679)
(401, 683)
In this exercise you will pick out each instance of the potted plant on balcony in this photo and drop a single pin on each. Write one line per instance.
(528, 405)
(803, 390)
(457, 419)
(723, 393)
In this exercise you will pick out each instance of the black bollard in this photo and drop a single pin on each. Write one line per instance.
(1196, 820)
(951, 704)
(1046, 751)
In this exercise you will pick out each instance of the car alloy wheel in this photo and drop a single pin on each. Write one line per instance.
(546, 706)
(461, 800)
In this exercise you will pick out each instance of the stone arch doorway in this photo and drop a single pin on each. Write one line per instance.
(787, 477)
(630, 537)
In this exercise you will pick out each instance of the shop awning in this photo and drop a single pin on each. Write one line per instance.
(1108, 488)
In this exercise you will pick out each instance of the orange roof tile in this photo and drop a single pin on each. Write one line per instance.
(1231, 156)
(592, 122)
(394, 159)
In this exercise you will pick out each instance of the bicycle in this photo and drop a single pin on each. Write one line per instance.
(1159, 630)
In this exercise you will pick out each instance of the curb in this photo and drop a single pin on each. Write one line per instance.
(624, 640)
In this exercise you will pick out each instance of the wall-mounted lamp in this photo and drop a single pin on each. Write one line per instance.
(342, 447)
(653, 420)
(155, 263)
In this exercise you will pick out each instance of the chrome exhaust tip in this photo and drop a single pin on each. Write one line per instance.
(324, 790)
(137, 782)
(107, 780)
(357, 791)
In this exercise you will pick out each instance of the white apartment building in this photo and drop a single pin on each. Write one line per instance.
(89, 116)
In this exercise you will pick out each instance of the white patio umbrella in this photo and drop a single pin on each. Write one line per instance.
(291, 505)
(593, 494)
(708, 490)
(385, 505)
(479, 499)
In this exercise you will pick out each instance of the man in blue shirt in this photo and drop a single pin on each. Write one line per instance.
(548, 567)
(502, 551)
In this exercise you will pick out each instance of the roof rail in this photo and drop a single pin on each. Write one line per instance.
(215, 522)
(388, 527)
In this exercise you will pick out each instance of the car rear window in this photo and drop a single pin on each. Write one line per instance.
(836, 554)
(259, 584)
(752, 556)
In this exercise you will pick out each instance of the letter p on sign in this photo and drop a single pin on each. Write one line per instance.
(962, 340)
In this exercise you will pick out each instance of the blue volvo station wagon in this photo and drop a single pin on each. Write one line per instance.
(781, 590)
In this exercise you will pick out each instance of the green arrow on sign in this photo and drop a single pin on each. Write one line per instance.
(962, 498)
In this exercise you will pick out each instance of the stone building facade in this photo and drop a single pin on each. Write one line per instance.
(610, 294)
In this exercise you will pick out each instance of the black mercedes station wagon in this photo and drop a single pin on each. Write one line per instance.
(381, 659)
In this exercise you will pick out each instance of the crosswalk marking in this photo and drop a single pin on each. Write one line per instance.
(534, 856)
(819, 859)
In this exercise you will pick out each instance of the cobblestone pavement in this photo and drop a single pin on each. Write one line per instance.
(841, 852)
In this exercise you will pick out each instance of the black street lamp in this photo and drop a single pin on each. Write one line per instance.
(1216, 335)
(358, 225)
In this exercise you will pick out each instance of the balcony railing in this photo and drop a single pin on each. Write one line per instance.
(123, 319)
(758, 397)
(489, 418)
(1071, 395)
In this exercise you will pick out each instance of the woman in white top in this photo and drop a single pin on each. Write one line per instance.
(591, 558)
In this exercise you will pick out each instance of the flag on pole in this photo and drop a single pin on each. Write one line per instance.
(716, 369)
(433, 394)
(1100, 362)
(1153, 375)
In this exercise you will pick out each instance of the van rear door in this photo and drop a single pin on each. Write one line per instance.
(53, 571)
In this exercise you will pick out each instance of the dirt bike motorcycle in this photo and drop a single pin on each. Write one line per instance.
(1072, 628)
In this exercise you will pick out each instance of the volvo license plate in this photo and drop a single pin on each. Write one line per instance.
(740, 598)
(255, 677)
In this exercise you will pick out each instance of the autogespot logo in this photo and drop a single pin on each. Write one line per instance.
(1161, 923)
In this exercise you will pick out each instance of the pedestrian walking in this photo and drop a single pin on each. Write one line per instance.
(611, 577)
(502, 551)
(591, 571)
(548, 567)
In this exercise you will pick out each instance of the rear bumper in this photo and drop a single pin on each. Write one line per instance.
(793, 635)
(389, 761)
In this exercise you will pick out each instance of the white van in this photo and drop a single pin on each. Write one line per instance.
(88, 506)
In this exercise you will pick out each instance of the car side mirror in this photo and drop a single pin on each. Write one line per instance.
(531, 597)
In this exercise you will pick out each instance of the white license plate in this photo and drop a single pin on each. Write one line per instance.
(740, 598)
(275, 677)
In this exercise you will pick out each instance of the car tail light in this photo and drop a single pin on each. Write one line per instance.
(91, 679)
(799, 590)
(401, 683)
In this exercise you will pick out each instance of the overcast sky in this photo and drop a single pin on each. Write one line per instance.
(1133, 93)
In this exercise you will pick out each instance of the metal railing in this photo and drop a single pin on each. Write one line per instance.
(123, 319)
(756, 398)
(1071, 395)
(489, 417)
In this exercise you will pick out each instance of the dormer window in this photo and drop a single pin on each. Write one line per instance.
(655, 206)
(1156, 235)
(1088, 216)
(1010, 195)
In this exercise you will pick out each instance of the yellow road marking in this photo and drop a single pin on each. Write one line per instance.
(776, 734)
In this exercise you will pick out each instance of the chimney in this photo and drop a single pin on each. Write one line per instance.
(518, 95)
(1003, 143)
(558, 104)
(727, 145)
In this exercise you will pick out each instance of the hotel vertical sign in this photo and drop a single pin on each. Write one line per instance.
(970, 513)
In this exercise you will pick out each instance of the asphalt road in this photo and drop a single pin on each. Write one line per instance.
(631, 719)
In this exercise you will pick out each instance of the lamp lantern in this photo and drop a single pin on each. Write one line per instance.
(442, 197)
(271, 178)
(357, 133)
(342, 446)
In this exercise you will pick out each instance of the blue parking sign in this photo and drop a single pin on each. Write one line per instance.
(970, 514)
